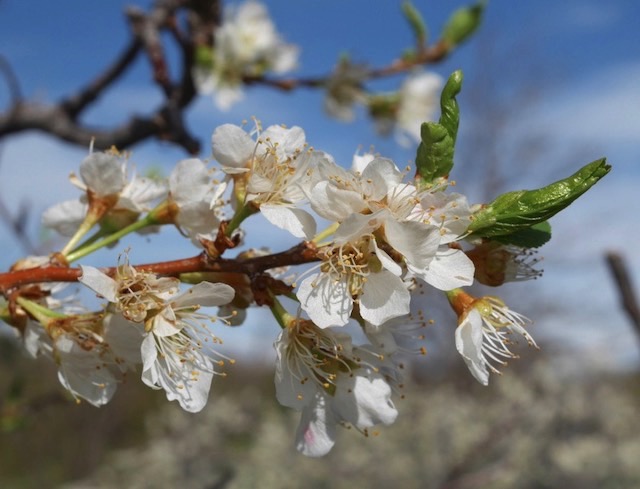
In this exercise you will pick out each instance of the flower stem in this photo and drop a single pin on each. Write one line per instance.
(148, 220)
(280, 313)
(241, 214)
(327, 232)
(85, 227)
(41, 313)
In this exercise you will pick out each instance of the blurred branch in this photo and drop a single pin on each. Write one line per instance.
(62, 119)
(11, 79)
(628, 297)
(167, 123)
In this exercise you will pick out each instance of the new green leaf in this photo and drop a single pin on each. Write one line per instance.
(416, 22)
(434, 157)
(462, 23)
(522, 209)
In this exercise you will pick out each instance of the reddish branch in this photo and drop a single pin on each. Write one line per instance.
(304, 252)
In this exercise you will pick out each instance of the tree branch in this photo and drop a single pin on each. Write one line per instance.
(622, 279)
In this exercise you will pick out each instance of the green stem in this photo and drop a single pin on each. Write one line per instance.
(85, 227)
(148, 220)
(41, 313)
(280, 313)
(91, 239)
(241, 214)
(327, 232)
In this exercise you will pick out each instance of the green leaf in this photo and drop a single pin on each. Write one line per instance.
(434, 157)
(416, 22)
(514, 211)
(204, 57)
(435, 153)
(533, 237)
(450, 112)
(462, 23)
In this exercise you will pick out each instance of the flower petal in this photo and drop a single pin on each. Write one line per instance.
(469, 344)
(384, 296)
(326, 301)
(297, 221)
(449, 269)
(316, 432)
(232, 146)
(99, 282)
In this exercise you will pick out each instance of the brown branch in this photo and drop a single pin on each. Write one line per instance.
(304, 252)
(167, 122)
(628, 297)
(75, 104)
(429, 55)
(11, 79)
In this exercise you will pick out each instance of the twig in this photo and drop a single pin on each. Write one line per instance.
(628, 297)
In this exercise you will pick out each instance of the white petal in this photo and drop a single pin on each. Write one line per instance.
(190, 182)
(334, 203)
(232, 146)
(125, 339)
(381, 175)
(82, 372)
(148, 352)
(65, 217)
(384, 296)
(386, 260)
(364, 401)
(469, 344)
(205, 294)
(316, 432)
(291, 390)
(289, 140)
(104, 173)
(326, 301)
(449, 269)
(358, 225)
(99, 282)
(418, 242)
(297, 221)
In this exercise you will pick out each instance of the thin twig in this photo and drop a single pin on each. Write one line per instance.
(628, 297)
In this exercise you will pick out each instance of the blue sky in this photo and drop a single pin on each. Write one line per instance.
(577, 54)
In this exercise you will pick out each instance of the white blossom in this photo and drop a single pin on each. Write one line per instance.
(192, 190)
(246, 44)
(177, 350)
(331, 382)
(274, 167)
(419, 102)
(104, 176)
(484, 334)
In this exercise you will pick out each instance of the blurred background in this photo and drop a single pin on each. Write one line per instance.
(549, 86)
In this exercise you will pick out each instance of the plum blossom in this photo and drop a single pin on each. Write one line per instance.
(419, 102)
(176, 352)
(176, 348)
(89, 366)
(246, 44)
(192, 192)
(321, 374)
(484, 333)
(273, 169)
(379, 238)
(107, 188)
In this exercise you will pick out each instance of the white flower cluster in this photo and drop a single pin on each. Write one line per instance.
(245, 45)
(147, 322)
(387, 235)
